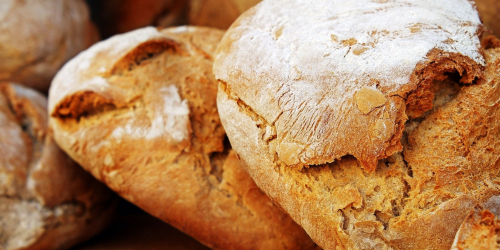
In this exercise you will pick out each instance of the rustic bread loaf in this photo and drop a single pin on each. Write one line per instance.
(479, 231)
(217, 13)
(46, 200)
(339, 82)
(138, 111)
(37, 37)
(315, 99)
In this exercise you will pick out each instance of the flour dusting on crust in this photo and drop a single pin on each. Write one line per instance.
(172, 119)
(308, 60)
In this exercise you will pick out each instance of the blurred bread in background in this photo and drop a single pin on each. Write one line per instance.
(120, 16)
(46, 200)
(489, 12)
(217, 13)
(37, 37)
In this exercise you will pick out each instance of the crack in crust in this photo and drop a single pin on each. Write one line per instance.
(448, 165)
(196, 185)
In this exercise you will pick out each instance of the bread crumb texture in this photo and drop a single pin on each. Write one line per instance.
(415, 199)
(324, 74)
(479, 231)
(141, 116)
(46, 200)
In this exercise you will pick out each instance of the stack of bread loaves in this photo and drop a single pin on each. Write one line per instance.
(373, 124)
(368, 124)
(46, 200)
(138, 111)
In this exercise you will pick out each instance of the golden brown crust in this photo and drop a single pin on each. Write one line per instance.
(38, 37)
(416, 199)
(143, 119)
(343, 81)
(46, 200)
(479, 231)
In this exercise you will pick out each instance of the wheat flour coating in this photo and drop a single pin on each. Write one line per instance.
(37, 37)
(46, 200)
(416, 199)
(479, 231)
(449, 159)
(335, 78)
(139, 112)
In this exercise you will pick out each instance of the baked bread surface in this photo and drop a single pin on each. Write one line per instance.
(336, 78)
(479, 231)
(417, 196)
(38, 36)
(139, 112)
(46, 200)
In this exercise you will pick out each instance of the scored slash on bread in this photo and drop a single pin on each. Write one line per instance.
(373, 124)
(138, 111)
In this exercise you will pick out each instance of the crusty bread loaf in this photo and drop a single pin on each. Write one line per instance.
(489, 11)
(37, 37)
(310, 102)
(217, 13)
(479, 231)
(139, 112)
(46, 200)
(339, 82)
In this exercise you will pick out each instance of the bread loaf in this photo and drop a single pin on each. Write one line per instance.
(46, 200)
(371, 128)
(37, 37)
(138, 111)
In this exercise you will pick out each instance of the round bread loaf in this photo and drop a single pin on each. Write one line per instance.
(46, 200)
(315, 100)
(139, 112)
(37, 37)
(217, 13)
(342, 81)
